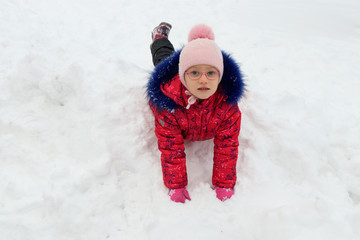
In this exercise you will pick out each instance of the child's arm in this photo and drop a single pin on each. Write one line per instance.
(226, 144)
(171, 146)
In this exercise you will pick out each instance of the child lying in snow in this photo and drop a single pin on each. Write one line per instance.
(193, 94)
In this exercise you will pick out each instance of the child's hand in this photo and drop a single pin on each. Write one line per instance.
(179, 195)
(224, 193)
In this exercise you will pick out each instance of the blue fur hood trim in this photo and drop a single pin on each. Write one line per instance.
(232, 81)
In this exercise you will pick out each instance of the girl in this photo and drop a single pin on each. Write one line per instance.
(193, 93)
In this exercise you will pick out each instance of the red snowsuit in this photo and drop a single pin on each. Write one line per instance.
(211, 118)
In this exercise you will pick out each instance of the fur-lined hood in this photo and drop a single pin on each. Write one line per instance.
(232, 83)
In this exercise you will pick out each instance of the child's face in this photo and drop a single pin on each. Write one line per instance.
(202, 80)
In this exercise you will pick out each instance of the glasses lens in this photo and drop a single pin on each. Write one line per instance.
(194, 74)
(211, 75)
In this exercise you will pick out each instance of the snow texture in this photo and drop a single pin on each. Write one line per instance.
(78, 153)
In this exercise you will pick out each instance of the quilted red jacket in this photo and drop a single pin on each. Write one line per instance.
(217, 117)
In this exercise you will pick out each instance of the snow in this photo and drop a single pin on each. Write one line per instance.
(78, 154)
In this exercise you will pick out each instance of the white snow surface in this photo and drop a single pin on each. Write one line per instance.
(78, 153)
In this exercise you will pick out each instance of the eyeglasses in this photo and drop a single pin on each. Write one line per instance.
(196, 75)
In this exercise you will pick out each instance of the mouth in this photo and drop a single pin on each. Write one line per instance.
(203, 89)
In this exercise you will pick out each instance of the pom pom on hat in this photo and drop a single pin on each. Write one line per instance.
(201, 49)
(201, 31)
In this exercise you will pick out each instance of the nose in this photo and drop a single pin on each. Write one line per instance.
(203, 79)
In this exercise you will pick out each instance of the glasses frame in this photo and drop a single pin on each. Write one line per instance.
(202, 73)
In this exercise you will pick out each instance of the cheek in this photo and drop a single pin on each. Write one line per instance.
(187, 80)
(215, 84)
(190, 83)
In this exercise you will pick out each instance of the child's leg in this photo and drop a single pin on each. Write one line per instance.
(161, 47)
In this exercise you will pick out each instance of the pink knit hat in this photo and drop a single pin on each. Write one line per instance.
(201, 49)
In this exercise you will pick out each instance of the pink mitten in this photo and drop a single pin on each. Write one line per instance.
(224, 193)
(179, 195)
